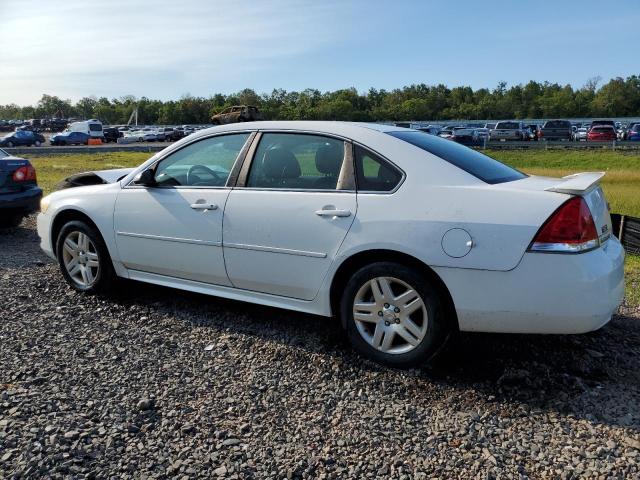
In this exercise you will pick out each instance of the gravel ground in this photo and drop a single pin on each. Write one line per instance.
(156, 383)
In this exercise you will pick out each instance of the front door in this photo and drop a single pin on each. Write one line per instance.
(283, 228)
(174, 227)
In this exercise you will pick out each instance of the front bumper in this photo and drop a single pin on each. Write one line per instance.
(44, 232)
(546, 293)
(24, 202)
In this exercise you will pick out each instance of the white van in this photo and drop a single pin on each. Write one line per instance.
(91, 127)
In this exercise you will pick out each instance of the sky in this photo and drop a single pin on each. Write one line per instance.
(165, 49)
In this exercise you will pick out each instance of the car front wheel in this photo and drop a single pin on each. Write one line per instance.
(394, 315)
(84, 258)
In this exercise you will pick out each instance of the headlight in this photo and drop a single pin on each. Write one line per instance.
(44, 203)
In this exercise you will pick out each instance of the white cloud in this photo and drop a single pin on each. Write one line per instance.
(158, 49)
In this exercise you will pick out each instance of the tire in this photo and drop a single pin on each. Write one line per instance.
(379, 323)
(38, 143)
(11, 221)
(91, 255)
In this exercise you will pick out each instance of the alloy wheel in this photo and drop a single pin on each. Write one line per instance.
(390, 315)
(80, 258)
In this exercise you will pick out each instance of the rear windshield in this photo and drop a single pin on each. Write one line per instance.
(95, 127)
(636, 128)
(508, 126)
(557, 124)
(471, 161)
(602, 129)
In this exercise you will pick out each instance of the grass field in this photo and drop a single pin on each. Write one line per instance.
(621, 184)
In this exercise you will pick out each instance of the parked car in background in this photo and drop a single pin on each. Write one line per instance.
(533, 127)
(237, 113)
(465, 136)
(555, 130)
(446, 132)
(633, 134)
(580, 134)
(609, 123)
(19, 191)
(111, 134)
(22, 138)
(70, 138)
(540, 248)
(509, 130)
(602, 133)
(430, 129)
(489, 126)
(483, 134)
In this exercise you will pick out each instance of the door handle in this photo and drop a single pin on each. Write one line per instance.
(204, 206)
(333, 213)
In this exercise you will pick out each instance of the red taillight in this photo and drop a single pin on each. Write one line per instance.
(25, 174)
(570, 229)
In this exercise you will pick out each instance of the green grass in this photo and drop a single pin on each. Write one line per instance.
(632, 277)
(54, 168)
(621, 184)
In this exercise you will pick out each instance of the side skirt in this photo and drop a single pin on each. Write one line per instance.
(312, 307)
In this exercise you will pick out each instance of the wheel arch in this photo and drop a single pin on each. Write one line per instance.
(65, 216)
(353, 263)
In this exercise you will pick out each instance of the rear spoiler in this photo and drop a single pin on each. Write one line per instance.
(578, 183)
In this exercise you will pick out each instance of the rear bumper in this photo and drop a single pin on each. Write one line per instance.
(23, 203)
(546, 293)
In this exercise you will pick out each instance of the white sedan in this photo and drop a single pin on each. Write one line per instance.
(405, 236)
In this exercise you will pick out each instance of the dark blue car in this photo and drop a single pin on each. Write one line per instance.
(634, 133)
(21, 138)
(70, 138)
(19, 191)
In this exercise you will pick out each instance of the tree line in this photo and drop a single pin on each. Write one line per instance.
(620, 97)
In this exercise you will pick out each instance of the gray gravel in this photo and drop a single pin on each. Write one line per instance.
(123, 387)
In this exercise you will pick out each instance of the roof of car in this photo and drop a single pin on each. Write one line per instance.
(336, 128)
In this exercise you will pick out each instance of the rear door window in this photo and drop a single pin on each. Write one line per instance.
(373, 174)
(298, 161)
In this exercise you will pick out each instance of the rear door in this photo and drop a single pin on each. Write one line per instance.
(288, 216)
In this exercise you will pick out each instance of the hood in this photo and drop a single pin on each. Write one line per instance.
(97, 177)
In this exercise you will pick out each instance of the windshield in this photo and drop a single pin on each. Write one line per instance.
(3, 154)
(471, 161)
(558, 124)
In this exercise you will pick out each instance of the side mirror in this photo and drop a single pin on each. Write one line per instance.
(145, 178)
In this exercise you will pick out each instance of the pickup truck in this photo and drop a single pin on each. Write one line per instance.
(507, 131)
(555, 130)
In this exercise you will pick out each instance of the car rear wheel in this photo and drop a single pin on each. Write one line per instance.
(84, 259)
(394, 315)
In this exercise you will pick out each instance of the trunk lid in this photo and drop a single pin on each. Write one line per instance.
(586, 185)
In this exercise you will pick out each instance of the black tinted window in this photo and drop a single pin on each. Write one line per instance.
(507, 126)
(374, 174)
(477, 164)
(558, 124)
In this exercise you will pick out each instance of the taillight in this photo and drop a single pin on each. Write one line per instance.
(570, 229)
(25, 174)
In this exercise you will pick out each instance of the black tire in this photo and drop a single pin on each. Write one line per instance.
(105, 277)
(11, 221)
(439, 327)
